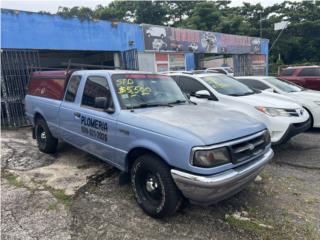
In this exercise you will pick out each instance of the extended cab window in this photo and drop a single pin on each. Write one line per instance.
(190, 85)
(72, 89)
(96, 93)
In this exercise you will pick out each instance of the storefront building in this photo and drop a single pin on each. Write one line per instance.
(35, 39)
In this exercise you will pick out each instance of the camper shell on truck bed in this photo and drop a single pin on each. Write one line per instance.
(49, 84)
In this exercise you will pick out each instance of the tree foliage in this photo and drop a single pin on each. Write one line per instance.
(300, 42)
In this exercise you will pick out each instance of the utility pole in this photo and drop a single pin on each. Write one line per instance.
(260, 26)
(285, 25)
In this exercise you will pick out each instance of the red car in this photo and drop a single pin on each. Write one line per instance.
(305, 76)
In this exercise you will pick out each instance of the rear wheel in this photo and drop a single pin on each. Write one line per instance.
(154, 189)
(46, 142)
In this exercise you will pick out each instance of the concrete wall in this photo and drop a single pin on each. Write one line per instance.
(26, 30)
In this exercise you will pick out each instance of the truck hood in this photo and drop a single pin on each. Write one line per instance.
(210, 125)
(267, 100)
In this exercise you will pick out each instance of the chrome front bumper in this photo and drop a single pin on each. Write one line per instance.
(211, 189)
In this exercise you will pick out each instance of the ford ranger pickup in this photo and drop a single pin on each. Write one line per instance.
(144, 125)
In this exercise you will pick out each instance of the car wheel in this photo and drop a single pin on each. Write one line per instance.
(154, 189)
(46, 142)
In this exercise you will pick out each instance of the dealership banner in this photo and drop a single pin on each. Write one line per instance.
(159, 38)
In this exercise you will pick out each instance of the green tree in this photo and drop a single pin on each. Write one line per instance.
(80, 12)
(300, 42)
(204, 16)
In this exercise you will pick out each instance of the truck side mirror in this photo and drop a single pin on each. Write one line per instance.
(104, 103)
(203, 94)
(100, 102)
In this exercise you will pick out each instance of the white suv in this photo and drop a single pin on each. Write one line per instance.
(283, 118)
(309, 99)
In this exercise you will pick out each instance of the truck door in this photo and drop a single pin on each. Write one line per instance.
(94, 127)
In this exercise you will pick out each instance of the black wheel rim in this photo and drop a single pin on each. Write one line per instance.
(149, 187)
(41, 137)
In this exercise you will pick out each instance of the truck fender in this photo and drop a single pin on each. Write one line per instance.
(140, 146)
(37, 113)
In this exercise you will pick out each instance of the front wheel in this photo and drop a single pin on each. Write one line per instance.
(154, 189)
(46, 142)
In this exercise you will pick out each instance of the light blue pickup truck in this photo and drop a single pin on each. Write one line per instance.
(144, 125)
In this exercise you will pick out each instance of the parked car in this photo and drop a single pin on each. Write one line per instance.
(144, 125)
(283, 118)
(305, 76)
(309, 99)
(156, 32)
(224, 70)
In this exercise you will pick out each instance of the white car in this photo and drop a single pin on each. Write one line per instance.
(156, 32)
(283, 118)
(224, 70)
(309, 99)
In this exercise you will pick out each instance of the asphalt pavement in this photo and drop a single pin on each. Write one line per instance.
(73, 195)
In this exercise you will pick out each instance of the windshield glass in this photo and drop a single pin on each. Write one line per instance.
(227, 85)
(146, 90)
(284, 85)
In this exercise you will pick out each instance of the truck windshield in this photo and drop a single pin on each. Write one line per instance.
(146, 90)
(284, 85)
(227, 85)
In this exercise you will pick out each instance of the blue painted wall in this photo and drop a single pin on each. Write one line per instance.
(265, 51)
(26, 30)
(190, 61)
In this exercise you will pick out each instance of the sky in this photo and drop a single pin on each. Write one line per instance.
(53, 5)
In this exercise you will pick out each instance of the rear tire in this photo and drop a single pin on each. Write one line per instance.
(154, 189)
(46, 142)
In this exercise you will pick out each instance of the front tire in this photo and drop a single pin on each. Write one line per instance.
(46, 142)
(154, 189)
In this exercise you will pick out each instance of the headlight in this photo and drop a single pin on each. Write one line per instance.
(317, 102)
(274, 112)
(211, 158)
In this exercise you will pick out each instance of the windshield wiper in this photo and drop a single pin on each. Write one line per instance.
(250, 93)
(178, 101)
(146, 105)
(241, 94)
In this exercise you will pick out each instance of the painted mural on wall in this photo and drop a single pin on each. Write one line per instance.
(159, 38)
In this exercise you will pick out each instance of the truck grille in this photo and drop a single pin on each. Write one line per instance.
(250, 147)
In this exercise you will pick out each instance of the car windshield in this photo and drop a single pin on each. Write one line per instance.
(284, 85)
(227, 85)
(146, 90)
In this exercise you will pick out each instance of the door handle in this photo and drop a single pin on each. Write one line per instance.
(77, 114)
